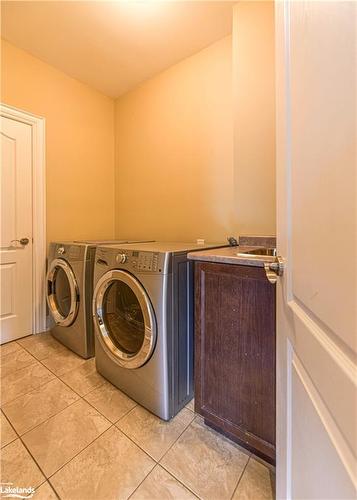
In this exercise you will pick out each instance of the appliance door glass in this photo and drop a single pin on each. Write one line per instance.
(62, 293)
(125, 318)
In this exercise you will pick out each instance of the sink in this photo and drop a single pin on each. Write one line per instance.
(268, 252)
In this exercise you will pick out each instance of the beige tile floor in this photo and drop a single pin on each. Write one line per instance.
(70, 434)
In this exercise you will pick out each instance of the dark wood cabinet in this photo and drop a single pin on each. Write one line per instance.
(235, 353)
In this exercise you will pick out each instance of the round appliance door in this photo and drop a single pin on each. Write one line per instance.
(125, 318)
(62, 292)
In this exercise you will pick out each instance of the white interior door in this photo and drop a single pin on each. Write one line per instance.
(317, 298)
(16, 230)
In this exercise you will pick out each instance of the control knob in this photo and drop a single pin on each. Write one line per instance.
(121, 258)
(60, 251)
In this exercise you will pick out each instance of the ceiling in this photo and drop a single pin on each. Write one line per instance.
(113, 46)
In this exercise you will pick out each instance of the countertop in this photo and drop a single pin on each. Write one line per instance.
(228, 255)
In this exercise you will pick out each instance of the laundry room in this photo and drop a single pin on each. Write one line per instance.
(158, 177)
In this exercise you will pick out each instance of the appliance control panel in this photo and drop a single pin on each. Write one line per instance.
(145, 261)
(121, 258)
(67, 251)
(140, 261)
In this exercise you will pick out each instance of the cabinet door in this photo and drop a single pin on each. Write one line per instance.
(235, 353)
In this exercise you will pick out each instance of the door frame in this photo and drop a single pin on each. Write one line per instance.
(37, 124)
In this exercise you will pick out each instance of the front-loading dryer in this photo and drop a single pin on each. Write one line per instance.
(143, 322)
(70, 290)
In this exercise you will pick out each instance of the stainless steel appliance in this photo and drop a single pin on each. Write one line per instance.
(69, 293)
(143, 322)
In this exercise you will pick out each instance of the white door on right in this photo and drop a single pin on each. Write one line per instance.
(317, 236)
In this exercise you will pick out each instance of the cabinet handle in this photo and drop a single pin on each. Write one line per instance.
(274, 269)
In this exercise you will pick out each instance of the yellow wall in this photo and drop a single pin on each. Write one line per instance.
(194, 154)
(174, 152)
(254, 116)
(79, 144)
(195, 145)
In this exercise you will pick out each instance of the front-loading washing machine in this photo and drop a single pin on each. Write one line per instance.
(143, 322)
(69, 292)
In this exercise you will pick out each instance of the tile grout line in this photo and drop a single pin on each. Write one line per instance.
(48, 478)
(36, 360)
(62, 348)
(129, 437)
(74, 390)
(178, 437)
(84, 395)
(272, 480)
(58, 376)
(35, 461)
(12, 427)
(2, 377)
(16, 350)
(89, 392)
(17, 369)
(159, 465)
(28, 392)
(49, 418)
(157, 462)
(39, 334)
(123, 416)
(52, 416)
(83, 398)
(36, 389)
(241, 476)
(76, 455)
(20, 436)
(170, 472)
(198, 416)
(63, 409)
(72, 370)
(137, 444)
(263, 462)
(179, 480)
(126, 414)
(11, 342)
(54, 489)
(21, 367)
(112, 424)
(141, 482)
(100, 412)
